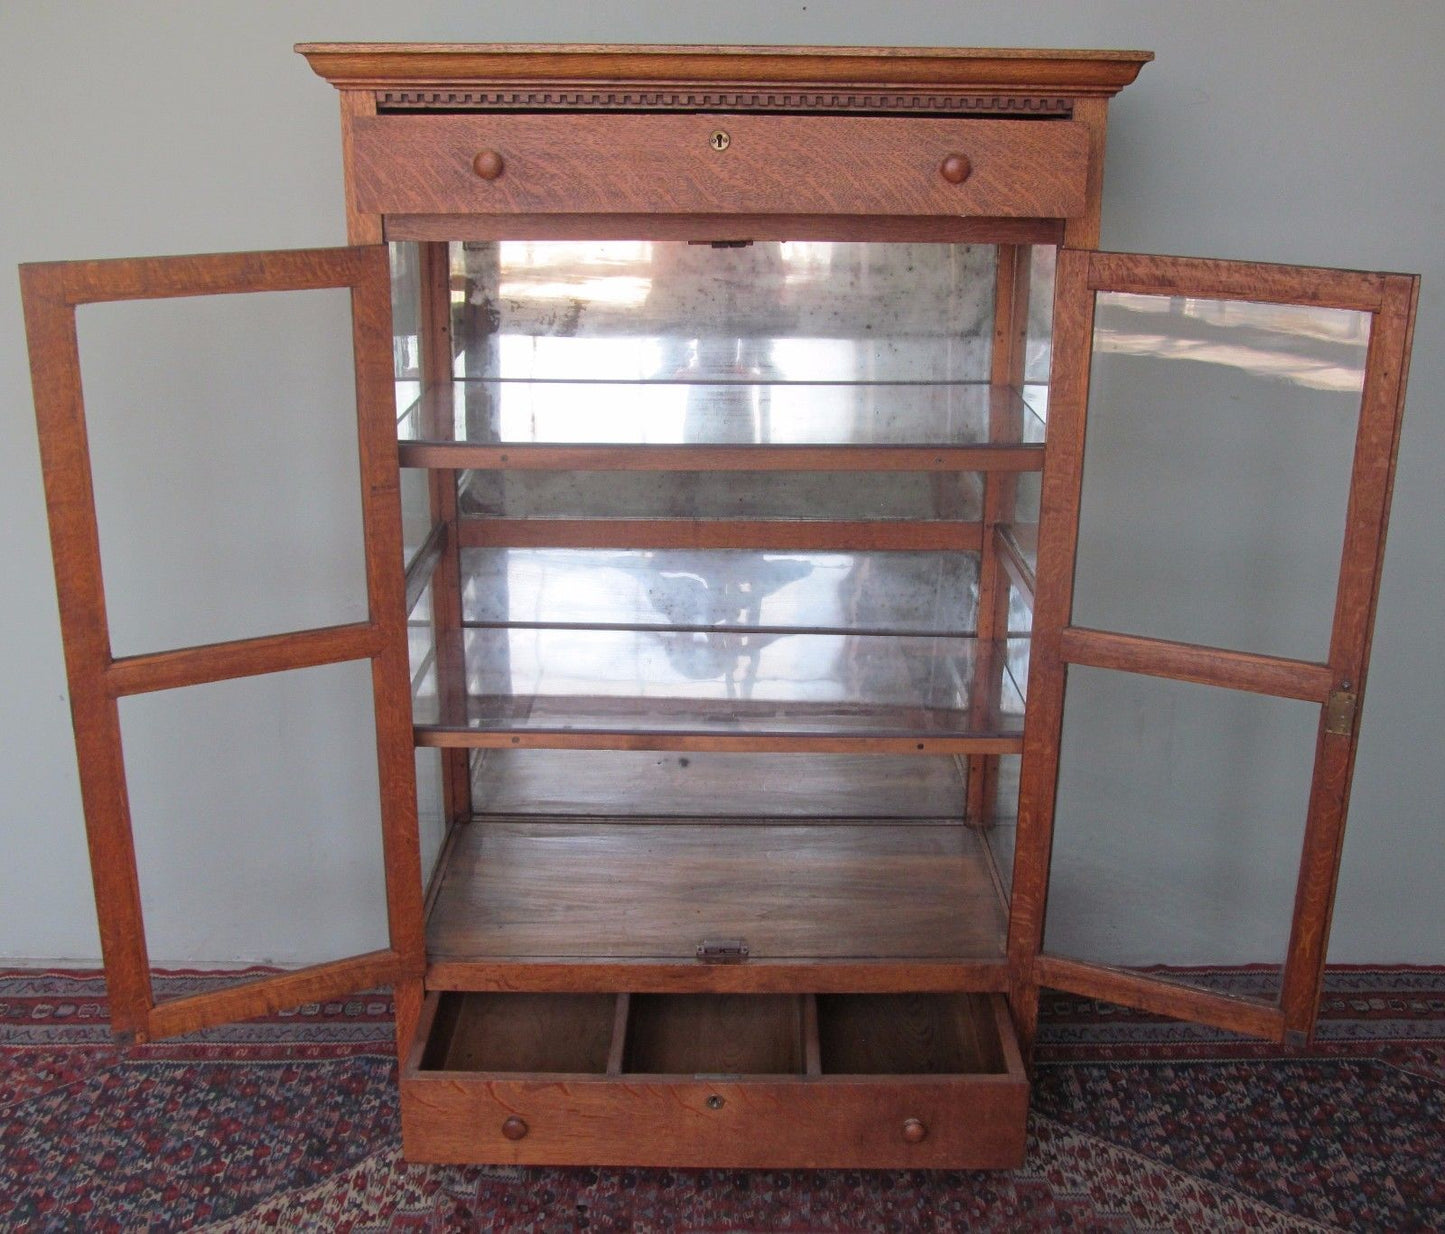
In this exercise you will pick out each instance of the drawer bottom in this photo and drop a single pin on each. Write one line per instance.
(731, 1081)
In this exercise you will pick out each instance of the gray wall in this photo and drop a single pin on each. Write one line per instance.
(1294, 132)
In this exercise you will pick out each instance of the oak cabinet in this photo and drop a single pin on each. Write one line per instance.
(761, 622)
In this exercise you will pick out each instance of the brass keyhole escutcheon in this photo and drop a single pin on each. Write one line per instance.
(720, 140)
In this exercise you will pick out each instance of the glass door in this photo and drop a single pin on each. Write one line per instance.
(1217, 479)
(240, 605)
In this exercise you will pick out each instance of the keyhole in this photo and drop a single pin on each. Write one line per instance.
(720, 140)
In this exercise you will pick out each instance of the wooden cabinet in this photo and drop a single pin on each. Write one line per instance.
(742, 436)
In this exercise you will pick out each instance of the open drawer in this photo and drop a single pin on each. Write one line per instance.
(728, 1080)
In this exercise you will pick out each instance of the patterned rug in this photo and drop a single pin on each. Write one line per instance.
(291, 1123)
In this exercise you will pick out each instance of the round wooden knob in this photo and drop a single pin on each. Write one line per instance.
(955, 168)
(515, 1128)
(914, 1131)
(488, 164)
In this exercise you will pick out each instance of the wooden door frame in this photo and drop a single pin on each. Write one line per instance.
(1390, 299)
(97, 680)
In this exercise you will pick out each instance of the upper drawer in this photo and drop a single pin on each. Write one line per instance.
(670, 164)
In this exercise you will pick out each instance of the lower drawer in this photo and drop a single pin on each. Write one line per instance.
(736, 1081)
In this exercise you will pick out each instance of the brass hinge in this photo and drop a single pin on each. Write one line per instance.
(722, 951)
(1340, 712)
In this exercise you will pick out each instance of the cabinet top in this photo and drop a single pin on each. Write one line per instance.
(1006, 71)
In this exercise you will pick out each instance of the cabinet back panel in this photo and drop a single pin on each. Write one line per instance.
(521, 1032)
(717, 1034)
(908, 1034)
(771, 312)
(638, 782)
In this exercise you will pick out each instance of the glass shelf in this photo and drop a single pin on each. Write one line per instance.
(861, 592)
(722, 684)
(680, 412)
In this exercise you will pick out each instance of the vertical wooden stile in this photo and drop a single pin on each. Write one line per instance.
(1011, 309)
(1372, 484)
(435, 325)
(361, 228)
(1082, 231)
(95, 714)
(1053, 603)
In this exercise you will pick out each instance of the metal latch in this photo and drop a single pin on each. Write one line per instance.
(1340, 711)
(722, 951)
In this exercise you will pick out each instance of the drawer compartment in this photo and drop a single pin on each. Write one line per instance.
(669, 164)
(736, 1081)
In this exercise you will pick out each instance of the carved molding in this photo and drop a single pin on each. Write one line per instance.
(831, 101)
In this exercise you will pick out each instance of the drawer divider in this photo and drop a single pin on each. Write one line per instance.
(812, 1052)
(618, 1049)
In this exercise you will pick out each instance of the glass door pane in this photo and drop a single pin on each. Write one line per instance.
(1221, 445)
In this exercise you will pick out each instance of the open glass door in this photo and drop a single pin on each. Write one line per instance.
(209, 608)
(1221, 448)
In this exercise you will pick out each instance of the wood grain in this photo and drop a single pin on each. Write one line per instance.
(522, 1032)
(85, 635)
(854, 743)
(1210, 666)
(268, 994)
(1392, 300)
(798, 1116)
(1209, 279)
(573, 66)
(612, 783)
(848, 165)
(974, 1121)
(205, 274)
(51, 292)
(885, 976)
(1010, 332)
(689, 1034)
(908, 1034)
(371, 328)
(600, 889)
(437, 349)
(1082, 230)
(1371, 486)
(271, 653)
(1053, 605)
(1162, 996)
(361, 227)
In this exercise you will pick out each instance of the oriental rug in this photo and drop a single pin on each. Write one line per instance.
(290, 1123)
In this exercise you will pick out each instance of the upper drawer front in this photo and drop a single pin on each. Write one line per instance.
(609, 164)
